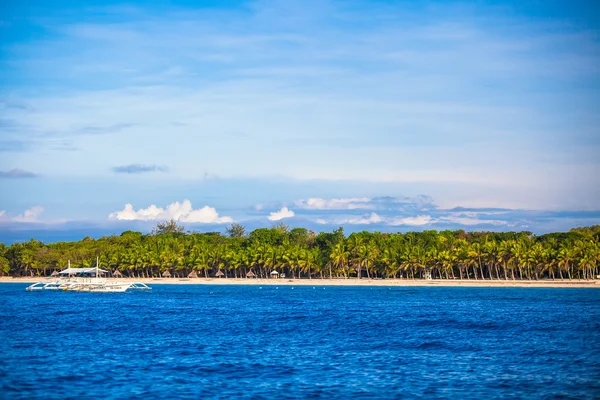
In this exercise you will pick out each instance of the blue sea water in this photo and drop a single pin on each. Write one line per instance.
(194, 341)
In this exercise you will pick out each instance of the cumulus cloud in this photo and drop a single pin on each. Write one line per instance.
(30, 215)
(16, 173)
(477, 213)
(375, 218)
(139, 168)
(317, 203)
(372, 218)
(419, 220)
(470, 221)
(406, 203)
(403, 211)
(388, 203)
(281, 214)
(183, 212)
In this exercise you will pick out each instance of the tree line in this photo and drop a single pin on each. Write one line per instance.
(300, 253)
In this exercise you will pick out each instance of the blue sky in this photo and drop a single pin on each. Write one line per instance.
(379, 115)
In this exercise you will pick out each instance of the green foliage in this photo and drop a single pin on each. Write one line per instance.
(301, 236)
(132, 234)
(4, 265)
(268, 236)
(590, 231)
(281, 227)
(299, 253)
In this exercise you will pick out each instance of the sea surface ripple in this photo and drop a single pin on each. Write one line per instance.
(199, 341)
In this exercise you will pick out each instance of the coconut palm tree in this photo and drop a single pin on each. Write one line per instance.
(339, 258)
(272, 259)
(476, 254)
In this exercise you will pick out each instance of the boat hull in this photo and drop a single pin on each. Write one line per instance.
(88, 285)
(116, 288)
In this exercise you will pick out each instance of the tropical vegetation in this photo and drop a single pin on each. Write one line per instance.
(302, 254)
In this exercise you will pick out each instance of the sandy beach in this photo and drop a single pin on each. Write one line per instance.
(342, 282)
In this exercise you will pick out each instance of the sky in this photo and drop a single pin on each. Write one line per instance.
(372, 115)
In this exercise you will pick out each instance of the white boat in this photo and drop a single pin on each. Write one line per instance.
(86, 280)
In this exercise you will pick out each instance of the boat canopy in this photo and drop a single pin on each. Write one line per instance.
(76, 271)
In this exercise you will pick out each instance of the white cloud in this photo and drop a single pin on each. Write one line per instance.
(419, 220)
(183, 212)
(375, 218)
(470, 221)
(372, 218)
(317, 203)
(475, 214)
(30, 215)
(412, 221)
(281, 214)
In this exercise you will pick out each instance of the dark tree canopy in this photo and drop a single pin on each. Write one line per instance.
(281, 226)
(266, 236)
(167, 227)
(236, 231)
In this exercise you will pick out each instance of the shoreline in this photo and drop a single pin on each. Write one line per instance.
(339, 282)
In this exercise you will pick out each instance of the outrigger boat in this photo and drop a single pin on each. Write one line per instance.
(86, 280)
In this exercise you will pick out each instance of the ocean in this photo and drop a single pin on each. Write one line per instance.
(200, 341)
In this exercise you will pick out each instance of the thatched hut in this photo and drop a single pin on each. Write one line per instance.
(117, 273)
(54, 273)
(193, 274)
(274, 274)
(250, 275)
(219, 274)
(166, 274)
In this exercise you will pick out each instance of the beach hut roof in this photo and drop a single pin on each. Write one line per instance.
(219, 273)
(250, 274)
(274, 272)
(192, 274)
(166, 274)
(54, 273)
(117, 273)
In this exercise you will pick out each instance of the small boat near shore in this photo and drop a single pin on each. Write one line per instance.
(86, 280)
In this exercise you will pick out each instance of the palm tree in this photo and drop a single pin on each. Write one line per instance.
(476, 254)
(460, 252)
(520, 253)
(371, 255)
(492, 257)
(505, 255)
(566, 255)
(339, 257)
(355, 246)
(390, 259)
(272, 258)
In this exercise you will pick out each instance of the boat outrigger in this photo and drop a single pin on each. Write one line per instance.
(86, 280)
